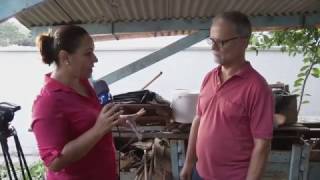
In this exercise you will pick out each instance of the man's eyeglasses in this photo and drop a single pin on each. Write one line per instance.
(221, 43)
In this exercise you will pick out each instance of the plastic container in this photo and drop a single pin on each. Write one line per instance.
(184, 105)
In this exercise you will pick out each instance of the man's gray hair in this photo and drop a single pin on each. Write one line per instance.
(239, 20)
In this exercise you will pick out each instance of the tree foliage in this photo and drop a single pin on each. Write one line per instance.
(304, 41)
(11, 35)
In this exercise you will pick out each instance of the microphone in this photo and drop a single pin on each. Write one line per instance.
(103, 92)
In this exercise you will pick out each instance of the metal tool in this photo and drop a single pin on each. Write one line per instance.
(156, 77)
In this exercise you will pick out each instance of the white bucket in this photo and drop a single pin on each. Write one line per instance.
(184, 105)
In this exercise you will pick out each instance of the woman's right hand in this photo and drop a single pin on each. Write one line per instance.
(108, 118)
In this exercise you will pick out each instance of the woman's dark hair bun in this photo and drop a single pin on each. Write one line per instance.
(67, 38)
(45, 43)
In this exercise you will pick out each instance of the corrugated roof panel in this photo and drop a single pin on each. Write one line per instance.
(151, 10)
(211, 8)
(24, 20)
(221, 6)
(161, 10)
(145, 9)
(169, 10)
(53, 8)
(295, 8)
(142, 9)
(241, 5)
(53, 12)
(292, 7)
(33, 18)
(203, 8)
(44, 20)
(311, 6)
(133, 6)
(90, 9)
(106, 8)
(175, 9)
(268, 7)
(154, 9)
(123, 10)
(194, 11)
(73, 14)
(97, 10)
(79, 6)
(233, 5)
(248, 5)
(186, 5)
(252, 7)
(138, 10)
(280, 8)
(43, 10)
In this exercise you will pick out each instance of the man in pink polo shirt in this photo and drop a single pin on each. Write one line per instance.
(231, 134)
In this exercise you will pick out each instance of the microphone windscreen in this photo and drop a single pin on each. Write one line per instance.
(100, 86)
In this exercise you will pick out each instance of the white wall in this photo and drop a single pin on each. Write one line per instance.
(21, 74)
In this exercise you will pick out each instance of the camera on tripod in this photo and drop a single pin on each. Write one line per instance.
(7, 111)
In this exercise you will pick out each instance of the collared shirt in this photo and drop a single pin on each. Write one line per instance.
(232, 114)
(60, 115)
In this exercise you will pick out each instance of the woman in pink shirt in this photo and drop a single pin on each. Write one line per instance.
(72, 129)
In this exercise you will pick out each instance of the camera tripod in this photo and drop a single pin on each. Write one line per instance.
(4, 135)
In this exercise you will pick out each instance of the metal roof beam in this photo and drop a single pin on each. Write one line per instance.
(156, 56)
(9, 8)
(285, 21)
(91, 28)
(195, 24)
(147, 26)
(163, 25)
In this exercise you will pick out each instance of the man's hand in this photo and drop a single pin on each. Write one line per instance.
(186, 171)
(259, 158)
(191, 158)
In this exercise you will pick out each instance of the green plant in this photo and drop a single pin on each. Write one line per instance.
(37, 171)
(305, 41)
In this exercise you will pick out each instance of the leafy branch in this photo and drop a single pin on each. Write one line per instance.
(304, 41)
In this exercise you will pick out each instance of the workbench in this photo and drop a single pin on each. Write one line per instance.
(177, 143)
(297, 156)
